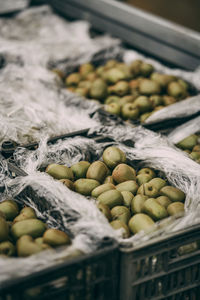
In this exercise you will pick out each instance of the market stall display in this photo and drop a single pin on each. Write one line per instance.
(92, 204)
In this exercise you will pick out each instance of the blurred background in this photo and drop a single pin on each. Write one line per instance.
(183, 12)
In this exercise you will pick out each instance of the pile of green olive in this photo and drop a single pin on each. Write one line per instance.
(129, 200)
(22, 234)
(132, 91)
(191, 145)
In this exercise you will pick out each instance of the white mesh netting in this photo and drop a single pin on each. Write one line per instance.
(153, 150)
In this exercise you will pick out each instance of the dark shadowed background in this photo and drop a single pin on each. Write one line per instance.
(184, 12)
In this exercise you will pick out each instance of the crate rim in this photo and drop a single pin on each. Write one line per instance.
(127, 248)
(9, 151)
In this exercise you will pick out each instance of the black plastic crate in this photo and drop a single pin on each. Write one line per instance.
(161, 269)
(100, 60)
(88, 277)
(137, 29)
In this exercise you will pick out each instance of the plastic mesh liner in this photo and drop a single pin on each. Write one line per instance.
(40, 38)
(37, 36)
(33, 105)
(32, 102)
(150, 150)
(59, 208)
